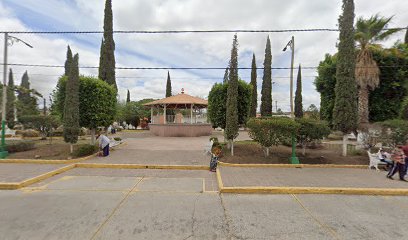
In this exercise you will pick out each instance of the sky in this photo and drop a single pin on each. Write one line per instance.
(182, 50)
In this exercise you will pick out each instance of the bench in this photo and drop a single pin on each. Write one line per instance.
(374, 160)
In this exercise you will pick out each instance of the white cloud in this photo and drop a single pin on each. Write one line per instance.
(182, 50)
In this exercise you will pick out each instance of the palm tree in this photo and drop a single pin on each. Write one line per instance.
(367, 73)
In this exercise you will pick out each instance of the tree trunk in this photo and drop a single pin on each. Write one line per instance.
(93, 136)
(267, 152)
(231, 142)
(345, 140)
(304, 149)
(363, 105)
(71, 148)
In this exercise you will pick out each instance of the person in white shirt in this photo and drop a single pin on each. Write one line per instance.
(103, 144)
(385, 157)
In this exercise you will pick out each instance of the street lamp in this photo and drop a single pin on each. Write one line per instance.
(291, 44)
(8, 40)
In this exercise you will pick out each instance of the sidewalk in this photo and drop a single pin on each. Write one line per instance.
(308, 177)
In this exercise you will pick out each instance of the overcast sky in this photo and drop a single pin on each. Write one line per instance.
(181, 50)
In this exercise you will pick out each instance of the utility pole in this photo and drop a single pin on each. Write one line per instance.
(3, 151)
(291, 44)
(7, 37)
(276, 106)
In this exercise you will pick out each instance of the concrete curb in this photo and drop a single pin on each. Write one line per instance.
(140, 166)
(315, 190)
(292, 165)
(17, 185)
(308, 190)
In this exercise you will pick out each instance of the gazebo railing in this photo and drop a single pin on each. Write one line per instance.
(174, 119)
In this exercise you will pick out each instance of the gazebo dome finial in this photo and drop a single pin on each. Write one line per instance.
(182, 91)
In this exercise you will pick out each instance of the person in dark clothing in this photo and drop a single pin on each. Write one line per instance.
(399, 164)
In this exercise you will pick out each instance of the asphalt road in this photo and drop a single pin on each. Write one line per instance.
(106, 207)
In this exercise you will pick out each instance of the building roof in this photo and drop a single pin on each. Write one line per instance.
(179, 101)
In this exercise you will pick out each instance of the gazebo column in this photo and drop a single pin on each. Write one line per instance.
(165, 114)
(191, 114)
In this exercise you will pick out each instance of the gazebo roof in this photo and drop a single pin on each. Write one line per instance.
(181, 99)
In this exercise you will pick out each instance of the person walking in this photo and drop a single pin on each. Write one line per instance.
(103, 144)
(405, 149)
(399, 164)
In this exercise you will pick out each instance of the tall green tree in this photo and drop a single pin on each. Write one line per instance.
(254, 95)
(71, 106)
(368, 33)
(97, 102)
(298, 95)
(168, 85)
(26, 104)
(68, 61)
(226, 75)
(107, 57)
(11, 99)
(231, 127)
(217, 103)
(266, 98)
(406, 37)
(128, 96)
(345, 114)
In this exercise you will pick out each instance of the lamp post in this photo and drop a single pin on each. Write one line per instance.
(7, 38)
(291, 44)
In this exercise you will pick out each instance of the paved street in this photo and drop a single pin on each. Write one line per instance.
(81, 206)
(91, 203)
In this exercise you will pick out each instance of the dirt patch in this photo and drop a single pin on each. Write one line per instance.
(253, 153)
(58, 150)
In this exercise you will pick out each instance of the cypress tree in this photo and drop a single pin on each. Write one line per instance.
(226, 75)
(168, 86)
(266, 98)
(254, 96)
(231, 126)
(107, 53)
(68, 62)
(345, 111)
(128, 96)
(298, 95)
(71, 106)
(11, 98)
(26, 104)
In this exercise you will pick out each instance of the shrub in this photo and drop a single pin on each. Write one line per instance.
(43, 124)
(85, 150)
(396, 130)
(404, 109)
(30, 133)
(117, 139)
(271, 131)
(20, 146)
(311, 130)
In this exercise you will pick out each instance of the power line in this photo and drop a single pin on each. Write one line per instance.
(179, 68)
(191, 31)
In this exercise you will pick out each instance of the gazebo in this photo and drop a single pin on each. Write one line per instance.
(180, 115)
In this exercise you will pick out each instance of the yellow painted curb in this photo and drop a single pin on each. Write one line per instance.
(140, 166)
(315, 190)
(9, 186)
(292, 165)
(45, 175)
(219, 179)
(17, 185)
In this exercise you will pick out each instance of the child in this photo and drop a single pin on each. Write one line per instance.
(216, 152)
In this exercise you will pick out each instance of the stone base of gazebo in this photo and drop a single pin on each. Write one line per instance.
(181, 130)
